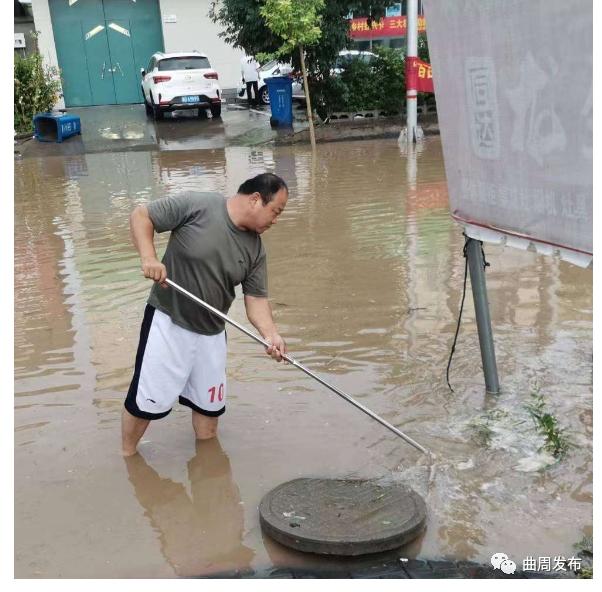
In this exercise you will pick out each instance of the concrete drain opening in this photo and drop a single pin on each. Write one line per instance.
(342, 516)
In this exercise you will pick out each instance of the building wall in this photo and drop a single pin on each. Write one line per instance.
(25, 25)
(46, 46)
(194, 29)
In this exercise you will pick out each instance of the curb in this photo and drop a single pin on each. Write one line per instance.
(412, 569)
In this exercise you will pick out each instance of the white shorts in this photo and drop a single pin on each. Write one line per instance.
(174, 363)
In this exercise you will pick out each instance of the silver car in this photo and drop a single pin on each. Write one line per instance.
(275, 68)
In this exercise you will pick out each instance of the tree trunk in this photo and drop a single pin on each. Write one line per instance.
(310, 119)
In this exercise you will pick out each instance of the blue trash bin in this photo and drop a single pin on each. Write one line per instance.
(280, 89)
(55, 127)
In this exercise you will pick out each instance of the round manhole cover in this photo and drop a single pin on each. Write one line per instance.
(342, 517)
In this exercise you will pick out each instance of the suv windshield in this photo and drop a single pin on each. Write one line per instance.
(185, 63)
(268, 66)
(341, 62)
(344, 60)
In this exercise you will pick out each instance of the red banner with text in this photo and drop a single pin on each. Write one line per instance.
(419, 75)
(388, 26)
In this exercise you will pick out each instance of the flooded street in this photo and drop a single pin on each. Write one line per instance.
(365, 279)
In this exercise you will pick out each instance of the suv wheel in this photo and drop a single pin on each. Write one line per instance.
(216, 111)
(147, 107)
(264, 95)
(155, 110)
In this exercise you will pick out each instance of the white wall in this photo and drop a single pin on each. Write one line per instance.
(46, 46)
(195, 30)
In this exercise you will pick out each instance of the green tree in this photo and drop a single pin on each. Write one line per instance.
(297, 25)
(243, 26)
(295, 22)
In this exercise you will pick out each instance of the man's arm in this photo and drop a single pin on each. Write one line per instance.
(143, 231)
(259, 313)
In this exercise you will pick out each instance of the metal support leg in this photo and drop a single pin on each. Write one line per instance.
(481, 305)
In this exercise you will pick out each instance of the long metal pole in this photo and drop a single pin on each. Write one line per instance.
(292, 361)
(481, 305)
(412, 52)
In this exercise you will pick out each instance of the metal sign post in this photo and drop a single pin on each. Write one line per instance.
(476, 265)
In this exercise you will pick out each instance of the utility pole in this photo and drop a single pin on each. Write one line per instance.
(412, 132)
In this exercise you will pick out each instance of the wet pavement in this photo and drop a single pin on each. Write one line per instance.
(366, 276)
(121, 128)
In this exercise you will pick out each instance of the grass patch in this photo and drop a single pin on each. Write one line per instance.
(547, 425)
(481, 426)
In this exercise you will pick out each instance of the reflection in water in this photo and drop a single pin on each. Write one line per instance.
(365, 270)
(183, 131)
(201, 533)
(38, 254)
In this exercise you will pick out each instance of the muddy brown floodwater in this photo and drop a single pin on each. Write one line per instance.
(366, 275)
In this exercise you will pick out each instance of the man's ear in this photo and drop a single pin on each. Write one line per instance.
(255, 197)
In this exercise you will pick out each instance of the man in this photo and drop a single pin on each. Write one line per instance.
(249, 69)
(214, 245)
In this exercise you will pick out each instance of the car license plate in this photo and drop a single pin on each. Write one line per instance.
(190, 99)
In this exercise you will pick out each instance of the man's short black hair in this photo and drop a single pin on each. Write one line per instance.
(266, 184)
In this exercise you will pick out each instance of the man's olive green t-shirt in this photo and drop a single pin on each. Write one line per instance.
(208, 256)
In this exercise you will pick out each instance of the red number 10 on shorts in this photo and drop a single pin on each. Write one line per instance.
(220, 393)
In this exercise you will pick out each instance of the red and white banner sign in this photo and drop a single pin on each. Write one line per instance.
(388, 26)
(419, 75)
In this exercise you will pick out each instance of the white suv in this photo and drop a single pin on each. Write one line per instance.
(180, 81)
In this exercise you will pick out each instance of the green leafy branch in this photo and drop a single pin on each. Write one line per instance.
(295, 22)
(557, 442)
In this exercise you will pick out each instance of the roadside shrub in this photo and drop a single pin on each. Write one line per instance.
(36, 90)
(329, 94)
(358, 77)
(389, 79)
(361, 86)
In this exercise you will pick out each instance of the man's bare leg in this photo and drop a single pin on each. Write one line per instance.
(132, 429)
(205, 427)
